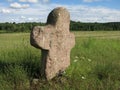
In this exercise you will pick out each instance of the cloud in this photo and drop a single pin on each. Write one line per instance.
(88, 1)
(23, 17)
(94, 14)
(34, 1)
(30, 19)
(16, 5)
(39, 12)
(6, 11)
(30, 1)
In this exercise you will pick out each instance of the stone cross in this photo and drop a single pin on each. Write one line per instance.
(55, 42)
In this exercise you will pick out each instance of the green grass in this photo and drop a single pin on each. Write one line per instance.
(95, 63)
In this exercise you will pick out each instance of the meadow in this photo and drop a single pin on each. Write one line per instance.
(95, 63)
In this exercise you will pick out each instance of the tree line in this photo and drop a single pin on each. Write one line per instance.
(74, 26)
(18, 27)
(79, 26)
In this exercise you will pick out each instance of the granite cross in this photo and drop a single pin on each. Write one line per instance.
(55, 42)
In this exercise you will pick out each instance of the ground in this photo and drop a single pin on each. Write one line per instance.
(95, 63)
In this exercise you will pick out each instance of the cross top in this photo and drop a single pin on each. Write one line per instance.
(59, 17)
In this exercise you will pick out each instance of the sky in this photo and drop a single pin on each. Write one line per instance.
(80, 10)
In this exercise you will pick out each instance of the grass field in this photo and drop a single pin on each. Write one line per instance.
(95, 63)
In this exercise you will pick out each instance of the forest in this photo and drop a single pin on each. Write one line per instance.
(74, 26)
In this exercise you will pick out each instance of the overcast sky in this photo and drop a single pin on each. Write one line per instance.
(80, 10)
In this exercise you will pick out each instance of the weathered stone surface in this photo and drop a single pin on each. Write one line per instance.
(55, 42)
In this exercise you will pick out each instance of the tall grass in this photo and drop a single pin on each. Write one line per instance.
(95, 64)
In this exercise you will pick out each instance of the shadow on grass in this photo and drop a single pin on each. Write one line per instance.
(32, 68)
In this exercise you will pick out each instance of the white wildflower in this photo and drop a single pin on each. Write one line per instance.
(82, 57)
(64, 72)
(89, 60)
(83, 77)
(76, 57)
(75, 60)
